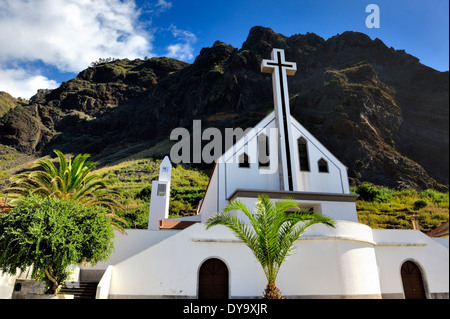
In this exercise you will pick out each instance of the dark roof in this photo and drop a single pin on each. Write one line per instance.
(439, 231)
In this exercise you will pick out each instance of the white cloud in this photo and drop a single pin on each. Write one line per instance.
(183, 50)
(21, 83)
(163, 5)
(69, 34)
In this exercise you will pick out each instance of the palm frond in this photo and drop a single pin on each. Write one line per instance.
(62, 163)
(48, 166)
(72, 181)
(241, 230)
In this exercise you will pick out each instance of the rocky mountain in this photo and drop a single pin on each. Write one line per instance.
(7, 102)
(379, 110)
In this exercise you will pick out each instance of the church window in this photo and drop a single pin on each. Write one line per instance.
(303, 154)
(323, 166)
(263, 151)
(161, 190)
(244, 161)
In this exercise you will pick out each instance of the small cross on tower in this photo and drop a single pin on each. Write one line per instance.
(280, 68)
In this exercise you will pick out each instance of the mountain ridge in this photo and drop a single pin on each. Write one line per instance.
(379, 110)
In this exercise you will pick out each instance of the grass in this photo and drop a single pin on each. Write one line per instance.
(134, 178)
(379, 207)
(11, 161)
(385, 208)
(8, 102)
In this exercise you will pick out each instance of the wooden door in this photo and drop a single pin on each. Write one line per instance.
(213, 280)
(412, 281)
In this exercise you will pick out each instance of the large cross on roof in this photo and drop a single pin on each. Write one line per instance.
(280, 68)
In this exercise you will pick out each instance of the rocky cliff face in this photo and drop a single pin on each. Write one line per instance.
(7, 102)
(380, 111)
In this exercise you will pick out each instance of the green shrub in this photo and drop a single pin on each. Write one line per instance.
(52, 234)
(367, 192)
(180, 208)
(339, 108)
(371, 193)
(145, 193)
(407, 192)
(135, 218)
(418, 204)
(384, 195)
(191, 195)
(387, 208)
(435, 197)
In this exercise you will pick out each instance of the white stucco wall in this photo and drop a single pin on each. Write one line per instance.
(253, 177)
(6, 285)
(7, 281)
(209, 203)
(333, 263)
(228, 176)
(335, 181)
(394, 247)
(135, 241)
(170, 268)
(334, 209)
(327, 262)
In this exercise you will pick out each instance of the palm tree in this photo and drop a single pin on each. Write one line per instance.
(271, 234)
(72, 181)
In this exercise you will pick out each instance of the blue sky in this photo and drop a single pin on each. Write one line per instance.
(45, 42)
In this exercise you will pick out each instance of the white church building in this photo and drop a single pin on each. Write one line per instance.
(180, 258)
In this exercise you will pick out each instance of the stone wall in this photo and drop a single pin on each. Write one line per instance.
(32, 289)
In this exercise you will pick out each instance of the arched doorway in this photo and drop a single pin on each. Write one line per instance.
(213, 280)
(412, 281)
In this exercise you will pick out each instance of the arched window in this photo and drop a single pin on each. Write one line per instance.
(244, 161)
(263, 150)
(323, 166)
(412, 281)
(303, 154)
(213, 280)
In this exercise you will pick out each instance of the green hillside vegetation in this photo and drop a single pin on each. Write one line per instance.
(7, 102)
(134, 179)
(11, 161)
(378, 207)
(384, 208)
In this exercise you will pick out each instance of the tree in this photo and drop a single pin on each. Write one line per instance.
(52, 234)
(72, 180)
(271, 234)
(103, 61)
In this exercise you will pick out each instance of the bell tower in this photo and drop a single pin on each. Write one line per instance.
(159, 203)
